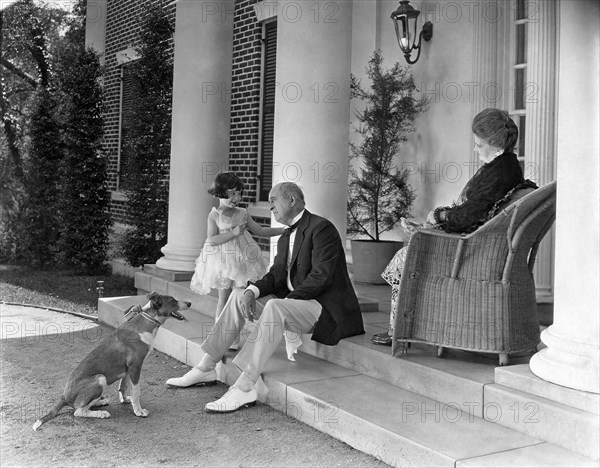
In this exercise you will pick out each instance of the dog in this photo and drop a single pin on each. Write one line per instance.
(119, 356)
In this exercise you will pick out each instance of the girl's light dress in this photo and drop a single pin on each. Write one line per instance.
(231, 264)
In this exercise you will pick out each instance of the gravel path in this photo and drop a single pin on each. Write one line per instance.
(38, 350)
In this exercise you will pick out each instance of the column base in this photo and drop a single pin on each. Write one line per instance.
(568, 363)
(178, 259)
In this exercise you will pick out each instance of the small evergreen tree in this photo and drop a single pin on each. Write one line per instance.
(42, 183)
(84, 211)
(30, 151)
(378, 192)
(147, 142)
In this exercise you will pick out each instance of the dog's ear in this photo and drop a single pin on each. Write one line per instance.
(155, 298)
(152, 296)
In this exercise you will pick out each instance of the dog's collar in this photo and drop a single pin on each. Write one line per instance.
(149, 317)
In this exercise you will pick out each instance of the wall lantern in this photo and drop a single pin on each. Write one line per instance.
(405, 20)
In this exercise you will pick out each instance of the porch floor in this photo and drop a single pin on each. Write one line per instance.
(410, 410)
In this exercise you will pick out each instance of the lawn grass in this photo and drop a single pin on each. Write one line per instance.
(60, 289)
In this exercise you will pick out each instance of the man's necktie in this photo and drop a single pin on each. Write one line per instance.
(291, 229)
(288, 231)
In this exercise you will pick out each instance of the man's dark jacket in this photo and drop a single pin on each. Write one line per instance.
(318, 271)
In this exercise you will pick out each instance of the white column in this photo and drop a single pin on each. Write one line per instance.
(312, 104)
(95, 26)
(485, 61)
(572, 355)
(201, 115)
(540, 149)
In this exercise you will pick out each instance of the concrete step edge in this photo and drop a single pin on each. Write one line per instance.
(386, 444)
(572, 428)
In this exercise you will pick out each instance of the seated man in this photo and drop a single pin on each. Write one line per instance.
(306, 290)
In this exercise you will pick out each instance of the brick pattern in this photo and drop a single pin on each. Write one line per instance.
(245, 104)
(121, 32)
(245, 96)
(118, 211)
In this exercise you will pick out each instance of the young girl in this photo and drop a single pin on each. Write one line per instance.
(230, 256)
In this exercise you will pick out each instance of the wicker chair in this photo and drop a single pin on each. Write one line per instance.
(476, 291)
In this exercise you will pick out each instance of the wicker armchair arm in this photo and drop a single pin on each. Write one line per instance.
(438, 233)
(427, 241)
(460, 241)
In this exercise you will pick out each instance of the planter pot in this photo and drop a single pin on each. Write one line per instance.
(369, 259)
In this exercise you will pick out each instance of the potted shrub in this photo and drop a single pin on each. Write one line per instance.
(378, 191)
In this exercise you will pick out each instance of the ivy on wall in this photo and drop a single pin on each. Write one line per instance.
(147, 141)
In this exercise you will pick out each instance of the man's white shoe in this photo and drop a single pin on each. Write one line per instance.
(233, 400)
(194, 377)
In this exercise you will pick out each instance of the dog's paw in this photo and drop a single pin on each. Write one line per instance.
(102, 402)
(142, 413)
(103, 414)
(124, 398)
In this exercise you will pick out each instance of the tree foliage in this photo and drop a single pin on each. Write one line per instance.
(42, 183)
(29, 34)
(147, 141)
(84, 210)
(53, 197)
(378, 192)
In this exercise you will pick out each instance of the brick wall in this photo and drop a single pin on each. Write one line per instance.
(245, 97)
(245, 104)
(121, 32)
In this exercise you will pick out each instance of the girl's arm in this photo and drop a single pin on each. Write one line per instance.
(214, 238)
(262, 231)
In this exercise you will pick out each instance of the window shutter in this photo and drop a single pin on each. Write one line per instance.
(127, 118)
(268, 110)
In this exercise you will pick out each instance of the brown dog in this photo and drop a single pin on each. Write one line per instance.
(119, 356)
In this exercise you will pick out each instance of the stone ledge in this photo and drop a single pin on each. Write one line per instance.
(521, 378)
(168, 275)
(400, 427)
(559, 424)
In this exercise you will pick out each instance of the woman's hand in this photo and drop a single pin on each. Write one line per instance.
(436, 216)
(430, 218)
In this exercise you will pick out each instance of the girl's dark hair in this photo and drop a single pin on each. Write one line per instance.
(225, 181)
(497, 128)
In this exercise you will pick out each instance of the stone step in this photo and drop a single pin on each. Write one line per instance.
(520, 377)
(458, 379)
(558, 419)
(461, 374)
(399, 426)
(146, 282)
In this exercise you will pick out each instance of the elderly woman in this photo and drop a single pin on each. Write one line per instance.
(495, 136)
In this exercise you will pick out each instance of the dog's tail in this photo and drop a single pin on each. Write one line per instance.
(51, 414)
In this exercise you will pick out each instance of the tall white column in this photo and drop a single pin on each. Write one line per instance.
(485, 59)
(312, 104)
(572, 356)
(540, 148)
(201, 117)
(95, 26)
